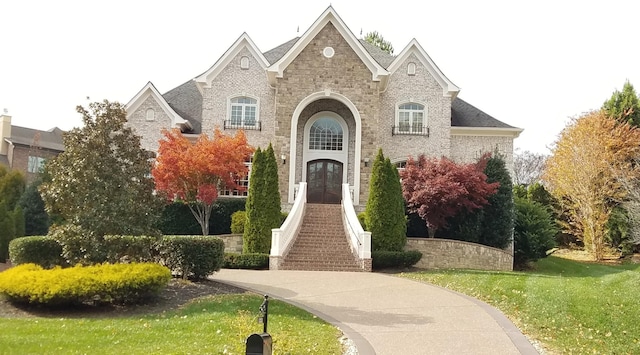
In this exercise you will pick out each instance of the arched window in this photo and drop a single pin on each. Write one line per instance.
(244, 62)
(150, 114)
(325, 134)
(243, 113)
(411, 69)
(411, 119)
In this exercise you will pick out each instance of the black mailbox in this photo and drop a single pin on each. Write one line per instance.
(259, 344)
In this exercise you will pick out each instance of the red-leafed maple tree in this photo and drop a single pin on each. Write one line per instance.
(437, 189)
(194, 172)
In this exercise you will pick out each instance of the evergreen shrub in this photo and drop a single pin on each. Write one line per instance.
(105, 283)
(193, 257)
(534, 231)
(238, 219)
(252, 261)
(41, 250)
(384, 259)
(128, 248)
(177, 219)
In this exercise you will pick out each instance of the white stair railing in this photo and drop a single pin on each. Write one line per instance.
(281, 238)
(360, 240)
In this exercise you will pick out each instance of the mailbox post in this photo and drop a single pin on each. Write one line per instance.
(261, 344)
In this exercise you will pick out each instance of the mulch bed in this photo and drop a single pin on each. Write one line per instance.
(175, 295)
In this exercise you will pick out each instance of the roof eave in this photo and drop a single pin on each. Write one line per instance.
(513, 132)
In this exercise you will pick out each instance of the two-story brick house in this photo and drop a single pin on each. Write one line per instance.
(326, 101)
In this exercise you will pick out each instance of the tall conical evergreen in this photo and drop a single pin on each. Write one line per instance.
(498, 215)
(624, 105)
(263, 202)
(385, 215)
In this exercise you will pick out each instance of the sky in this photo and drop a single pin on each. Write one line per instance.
(531, 64)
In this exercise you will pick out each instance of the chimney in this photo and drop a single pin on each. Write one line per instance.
(5, 132)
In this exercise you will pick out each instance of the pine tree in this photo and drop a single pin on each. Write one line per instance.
(7, 230)
(385, 211)
(624, 106)
(498, 214)
(37, 219)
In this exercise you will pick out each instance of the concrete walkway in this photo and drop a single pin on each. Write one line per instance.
(384, 314)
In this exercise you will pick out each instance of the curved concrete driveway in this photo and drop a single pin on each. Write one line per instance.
(385, 314)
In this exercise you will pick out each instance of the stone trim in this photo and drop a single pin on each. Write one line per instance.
(455, 254)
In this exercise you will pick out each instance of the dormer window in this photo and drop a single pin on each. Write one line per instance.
(243, 113)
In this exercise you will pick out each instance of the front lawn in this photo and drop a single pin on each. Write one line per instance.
(570, 307)
(212, 325)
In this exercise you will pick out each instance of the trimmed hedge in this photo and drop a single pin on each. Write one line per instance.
(105, 283)
(394, 259)
(41, 250)
(177, 219)
(194, 257)
(128, 248)
(252, 261)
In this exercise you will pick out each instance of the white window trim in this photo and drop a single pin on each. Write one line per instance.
(411, 69)
(230, 105)
(237, 193)
(150, 114)
(244, 62)
(425, 117)
(34, 164)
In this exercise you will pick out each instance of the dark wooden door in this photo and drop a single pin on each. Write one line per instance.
(324, 181)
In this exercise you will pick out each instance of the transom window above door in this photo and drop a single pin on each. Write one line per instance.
(325, 134)
(411, 119)
(243, 113)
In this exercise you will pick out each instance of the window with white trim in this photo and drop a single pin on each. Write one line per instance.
(244, 62)
(243, 113)
(242, 182)
(35, 164)
(411, 69)
(325, 134)
(150, 114)
(411, 119)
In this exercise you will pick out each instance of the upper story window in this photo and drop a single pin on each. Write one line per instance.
(325, 134)
(411, 69)
(35, 164)
(411, 119)
(150, 114)
(243, 113)
(244, 62)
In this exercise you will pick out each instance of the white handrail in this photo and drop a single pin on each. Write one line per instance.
(282, 237)
(360, 240)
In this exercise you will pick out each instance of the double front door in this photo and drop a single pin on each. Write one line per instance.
(324, 181)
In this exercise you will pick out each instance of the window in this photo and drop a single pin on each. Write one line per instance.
(244, 62)
(325, 134)
(243, 182)
(411, 69)
(151, 114)
(35, 164)
(411, 119)
(243, 113)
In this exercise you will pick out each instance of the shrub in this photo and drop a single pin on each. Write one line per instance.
(394, 259)
(238, 219)
(127, 248)
(41, 250)
(362, 218)
(498, 215)
(177, 219)
(253, 261)
(106, 283)
(534, 231)
(193, 257)
(79, 245)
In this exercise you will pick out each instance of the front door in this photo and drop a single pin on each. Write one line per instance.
(324, 181)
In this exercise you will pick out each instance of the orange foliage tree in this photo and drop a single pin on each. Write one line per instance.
(194, 172)
(437, 189)
(594, 154)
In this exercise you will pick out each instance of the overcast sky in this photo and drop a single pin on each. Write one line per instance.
(531, 64)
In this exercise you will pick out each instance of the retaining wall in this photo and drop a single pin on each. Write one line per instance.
(455, 254)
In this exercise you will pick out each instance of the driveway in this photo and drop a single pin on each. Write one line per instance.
(384, 314)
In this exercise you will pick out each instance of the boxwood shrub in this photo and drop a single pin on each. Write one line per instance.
(41, 250)
(253, 261)
(238, 220)
(394, 259)
(97, 284)
(193, 257)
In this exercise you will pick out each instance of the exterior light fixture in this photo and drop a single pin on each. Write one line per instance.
(366, 162)
(284, 159)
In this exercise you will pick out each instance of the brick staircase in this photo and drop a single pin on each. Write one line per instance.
(322, 243)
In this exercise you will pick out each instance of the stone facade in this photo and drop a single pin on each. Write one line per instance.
(150, 131)
(467, 149)
(455, 254)
(232, 242)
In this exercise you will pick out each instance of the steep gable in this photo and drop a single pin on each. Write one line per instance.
(378, 72)
(150, 91)
(448, 87)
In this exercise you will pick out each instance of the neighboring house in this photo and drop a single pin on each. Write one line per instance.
(26, 149)
(327, 101)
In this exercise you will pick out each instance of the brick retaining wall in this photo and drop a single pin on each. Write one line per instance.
(455, 254)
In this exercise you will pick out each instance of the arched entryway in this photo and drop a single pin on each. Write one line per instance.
(324, 181)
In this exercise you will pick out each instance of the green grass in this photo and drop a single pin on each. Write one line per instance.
(570, 307)
(214, 325)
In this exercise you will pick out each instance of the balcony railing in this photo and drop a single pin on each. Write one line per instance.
(247, 126)
(412, 130)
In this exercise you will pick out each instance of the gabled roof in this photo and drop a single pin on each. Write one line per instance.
(383, 58)
(448, 87)
(150, 90)
(186, 100)
(244, 41)
(51, 139)
(466, 119)
(278, 52)
(378, 72)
